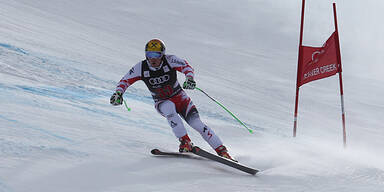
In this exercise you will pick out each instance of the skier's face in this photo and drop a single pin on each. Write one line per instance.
(154, 62)
(154, 58)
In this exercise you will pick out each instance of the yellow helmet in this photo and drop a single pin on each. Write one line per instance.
(155, 45)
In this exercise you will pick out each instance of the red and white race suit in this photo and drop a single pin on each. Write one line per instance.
(170, 99)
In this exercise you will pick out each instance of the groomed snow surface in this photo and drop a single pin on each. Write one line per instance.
(61, 60)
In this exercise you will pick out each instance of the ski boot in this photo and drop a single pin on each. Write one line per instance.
(185, 144)
(223, 152)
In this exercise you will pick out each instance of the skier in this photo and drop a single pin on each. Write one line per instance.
(158, 71)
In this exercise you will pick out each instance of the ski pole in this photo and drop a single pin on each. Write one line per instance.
(221, 105)
(126, 106)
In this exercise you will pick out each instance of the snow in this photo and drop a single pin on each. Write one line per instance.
(61, 60)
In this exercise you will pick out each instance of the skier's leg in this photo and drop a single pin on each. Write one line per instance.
(186, 108)
(188, 111)
(168, 110)
(213, 140)
(193, 119)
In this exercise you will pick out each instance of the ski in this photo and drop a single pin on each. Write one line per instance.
(175, 154)
(202, 153)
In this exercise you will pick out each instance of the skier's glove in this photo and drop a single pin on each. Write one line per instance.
(189, 83)
(116, 98)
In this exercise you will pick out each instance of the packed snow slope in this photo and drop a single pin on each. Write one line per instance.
(61, 60)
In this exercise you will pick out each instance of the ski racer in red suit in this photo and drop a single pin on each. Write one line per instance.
(158, 71)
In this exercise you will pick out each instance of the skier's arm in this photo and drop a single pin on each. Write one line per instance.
(183, 67)
(131, 77)
(180, 65)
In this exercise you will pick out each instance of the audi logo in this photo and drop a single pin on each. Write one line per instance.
(159, 80)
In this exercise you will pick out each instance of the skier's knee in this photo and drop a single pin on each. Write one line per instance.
(166, 108)
(169, 116)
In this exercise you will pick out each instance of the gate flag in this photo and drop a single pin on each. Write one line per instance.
(319, 62)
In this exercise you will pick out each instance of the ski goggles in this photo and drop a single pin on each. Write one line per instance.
(153, 54)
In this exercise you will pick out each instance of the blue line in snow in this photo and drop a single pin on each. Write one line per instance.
(37, 129)
(13, 48)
